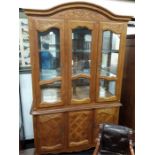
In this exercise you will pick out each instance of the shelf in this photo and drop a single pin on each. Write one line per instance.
(47, 74)
(104, 72)
(106, 51)
(78, 71)
(81, 50)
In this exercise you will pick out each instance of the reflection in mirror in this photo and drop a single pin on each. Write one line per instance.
(107, 88)
(109, 54)
(49, 47)
(51, 92)
(80, 88)
(81, 48)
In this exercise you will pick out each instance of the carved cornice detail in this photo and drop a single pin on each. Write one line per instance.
(76, 14)
(91, 11)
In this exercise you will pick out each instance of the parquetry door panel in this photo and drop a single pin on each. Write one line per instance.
(108, 115)
(51, 131)
(79, 128)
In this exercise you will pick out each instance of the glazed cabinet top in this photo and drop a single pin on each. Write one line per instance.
(77, 55)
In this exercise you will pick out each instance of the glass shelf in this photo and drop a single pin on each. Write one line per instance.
(107, 51)
(105, 72)
(49, 73)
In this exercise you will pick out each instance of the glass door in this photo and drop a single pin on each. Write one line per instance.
(81, 64)
(109, 62)
(50, 70)
(50, 59)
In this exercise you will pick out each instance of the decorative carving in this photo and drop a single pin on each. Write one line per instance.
(78, 6)
(79, 127)
(44, 25)
(115, 27)
(51, 131)
(78, 14)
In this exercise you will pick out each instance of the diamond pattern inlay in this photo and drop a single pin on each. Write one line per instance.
(104, 115)
(50, 131)
(79, 126)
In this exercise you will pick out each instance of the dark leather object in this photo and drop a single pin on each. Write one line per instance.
(114, 139)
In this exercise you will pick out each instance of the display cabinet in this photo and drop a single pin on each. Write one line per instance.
(77, 56)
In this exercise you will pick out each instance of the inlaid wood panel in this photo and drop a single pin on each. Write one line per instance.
(80, 128)
(51, 131)
(107, 115)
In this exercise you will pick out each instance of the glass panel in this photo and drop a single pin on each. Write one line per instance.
(107, 88)
(80, 88)
(51, 92)
(49, 44)
(81, 48)
(109, 54)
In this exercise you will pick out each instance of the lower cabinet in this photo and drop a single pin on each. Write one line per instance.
(71, 131)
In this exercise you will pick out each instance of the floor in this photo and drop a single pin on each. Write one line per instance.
(31, 152)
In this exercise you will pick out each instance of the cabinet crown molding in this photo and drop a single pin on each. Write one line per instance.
(78, 5)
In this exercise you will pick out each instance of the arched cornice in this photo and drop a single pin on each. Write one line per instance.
(77, 5)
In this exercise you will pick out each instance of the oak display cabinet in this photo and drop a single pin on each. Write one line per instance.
(77, 56)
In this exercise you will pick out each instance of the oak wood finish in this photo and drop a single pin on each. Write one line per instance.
(79, 133)
(70, 124)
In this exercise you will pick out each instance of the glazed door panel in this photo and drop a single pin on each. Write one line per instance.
(51, 132)
(80, 128)
(47, 51)
(82, 39)
(110, 61)
(107, 115)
